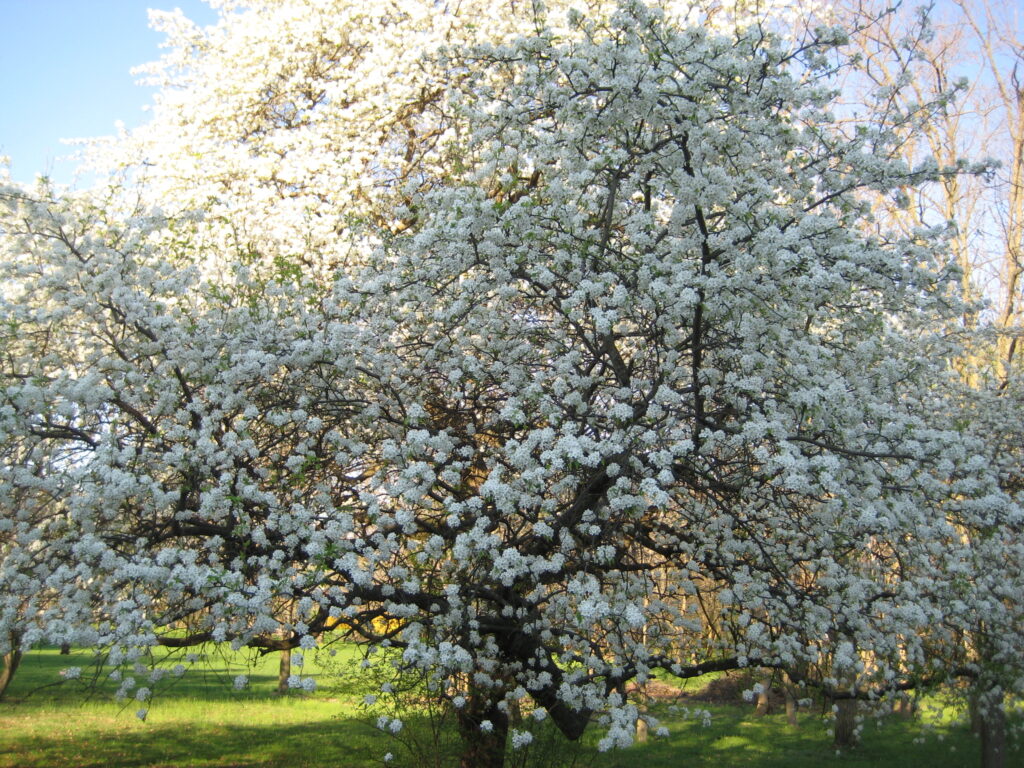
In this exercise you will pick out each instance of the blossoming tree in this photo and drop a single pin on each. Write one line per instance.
(530, 352)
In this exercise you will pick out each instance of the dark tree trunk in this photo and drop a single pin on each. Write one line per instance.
(992, 722)
(845, 736)
(65, 649)
(482, 748)
(284, 671)
(974, 709)
(11, 661)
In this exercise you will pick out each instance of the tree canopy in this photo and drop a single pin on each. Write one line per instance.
(566, 341)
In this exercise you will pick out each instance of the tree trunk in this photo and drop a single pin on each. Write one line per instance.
(974, 709)
(284, 671)
(787, 689)
(482, 747)
(763, 703)
(904, 706)
(992, 721)
(643, 702)
(845, 734)
(642, 730)
(65, 649)
(11, 661)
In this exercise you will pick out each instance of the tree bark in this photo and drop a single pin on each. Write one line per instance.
(974, 710)
(992, 722)
(763, 702)
(904, 706)
(284, 671)
(845, 734)
(11, 661)
(642, 730)
(787, 689)
(482, 747)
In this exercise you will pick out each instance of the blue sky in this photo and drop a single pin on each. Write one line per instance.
(65, 73)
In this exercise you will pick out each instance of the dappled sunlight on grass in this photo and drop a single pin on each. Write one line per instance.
(196, 720)
(286, 736)
(736, 739)
(201, 721)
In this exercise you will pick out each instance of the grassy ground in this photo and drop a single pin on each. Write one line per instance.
(197, 720)
(736, 740)
(200, 720)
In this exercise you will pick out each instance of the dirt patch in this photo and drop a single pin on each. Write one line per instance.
(726, 689)
(656, 690)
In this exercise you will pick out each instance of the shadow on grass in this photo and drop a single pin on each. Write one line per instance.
(736, 740)
(269, 739)
(210, 676)
(334, 742)
(201, 721)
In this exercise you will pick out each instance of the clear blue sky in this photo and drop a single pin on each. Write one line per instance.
(65, 73)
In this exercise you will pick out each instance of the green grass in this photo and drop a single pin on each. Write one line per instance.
(200, 720)
(735, 739)
(197, 720)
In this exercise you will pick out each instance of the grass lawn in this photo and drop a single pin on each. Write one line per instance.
(197, 720)
(201, 720)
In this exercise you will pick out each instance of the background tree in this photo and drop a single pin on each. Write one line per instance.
(968, 54)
